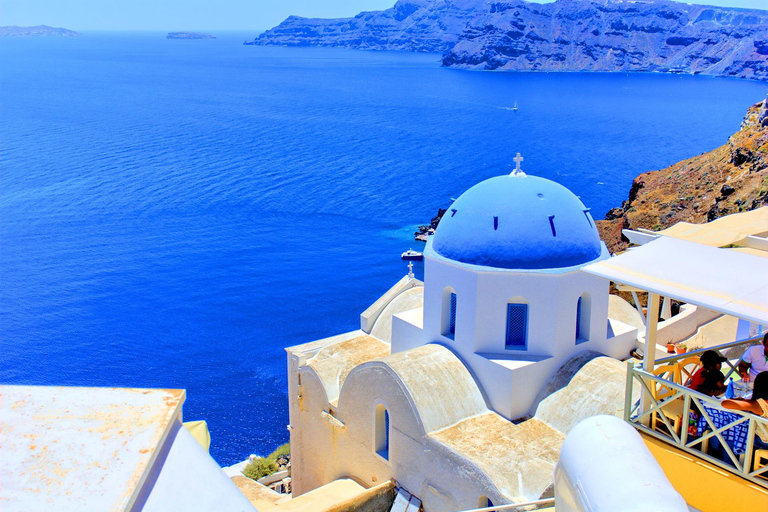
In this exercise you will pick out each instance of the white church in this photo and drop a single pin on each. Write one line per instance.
(497, 380)
(450, 386)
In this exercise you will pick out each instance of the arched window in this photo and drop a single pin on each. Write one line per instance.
(381, 432)
(583, 307)
(450, 302)
(484, 502)
(517, 326)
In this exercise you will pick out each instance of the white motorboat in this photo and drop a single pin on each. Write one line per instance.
(410, 254)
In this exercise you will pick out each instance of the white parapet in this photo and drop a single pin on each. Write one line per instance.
(106, 449)
(369, 316)
(605, 466)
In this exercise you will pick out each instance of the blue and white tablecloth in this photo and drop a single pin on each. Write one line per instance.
(736, 436)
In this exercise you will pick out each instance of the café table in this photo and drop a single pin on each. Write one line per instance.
(735, 436)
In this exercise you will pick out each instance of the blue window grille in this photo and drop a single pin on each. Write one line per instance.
(452, 326)
(386, 430)
(578, 318)
(517, 326)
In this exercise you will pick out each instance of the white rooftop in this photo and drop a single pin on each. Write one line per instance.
(722, 280)
(67, 448)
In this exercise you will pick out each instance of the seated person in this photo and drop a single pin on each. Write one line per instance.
(757, 405)
(754, 361)
(708, 379)
(759, 402)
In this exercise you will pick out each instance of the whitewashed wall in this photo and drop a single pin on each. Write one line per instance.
(323, 451)
(511, 378)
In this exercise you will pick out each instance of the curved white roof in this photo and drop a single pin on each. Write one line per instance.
(442, 389)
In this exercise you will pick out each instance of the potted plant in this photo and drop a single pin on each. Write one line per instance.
(681, 348)
(670, 347)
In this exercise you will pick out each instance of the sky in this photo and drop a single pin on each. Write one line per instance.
(170, 15)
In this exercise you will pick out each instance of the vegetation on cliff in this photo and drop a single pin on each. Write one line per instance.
(262, 466)
(729, 179)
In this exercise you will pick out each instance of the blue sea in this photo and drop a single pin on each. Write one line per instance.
(175, 213)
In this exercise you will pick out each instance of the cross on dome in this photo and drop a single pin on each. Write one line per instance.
(410, 270)
(517, 171)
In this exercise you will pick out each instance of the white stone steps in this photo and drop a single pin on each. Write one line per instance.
(405, 502)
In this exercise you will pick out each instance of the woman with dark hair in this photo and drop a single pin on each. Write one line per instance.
(709, 379)
(759, 402)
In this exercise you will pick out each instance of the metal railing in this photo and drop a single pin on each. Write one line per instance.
(646, 411)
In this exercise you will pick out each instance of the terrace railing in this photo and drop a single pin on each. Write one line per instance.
(517, 507)
(732, 351)
(737, 431)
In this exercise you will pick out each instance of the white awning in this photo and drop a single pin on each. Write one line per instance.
(723, 280)
(731, 229)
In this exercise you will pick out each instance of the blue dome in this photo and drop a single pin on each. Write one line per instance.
(518, 222)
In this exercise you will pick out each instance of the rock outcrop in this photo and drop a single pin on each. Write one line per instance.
(37, 31)
(411, 25)
(729, 179)
(429, 229)
(566, 35)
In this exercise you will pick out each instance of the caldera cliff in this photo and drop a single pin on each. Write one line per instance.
(565, 35)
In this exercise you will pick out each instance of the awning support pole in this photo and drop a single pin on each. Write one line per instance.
(649, 357)
(651, 325)
(638, 307)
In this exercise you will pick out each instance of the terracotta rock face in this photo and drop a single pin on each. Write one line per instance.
(729, 179)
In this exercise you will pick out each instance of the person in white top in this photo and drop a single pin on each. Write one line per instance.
(754, 361)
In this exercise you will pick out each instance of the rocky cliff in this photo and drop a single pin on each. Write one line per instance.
(583, 35)
(566, 35)
(411, 25)
(729, 179)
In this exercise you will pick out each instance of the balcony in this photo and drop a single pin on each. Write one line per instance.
(659, 405)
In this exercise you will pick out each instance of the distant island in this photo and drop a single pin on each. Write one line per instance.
(38, 31)
(566, 35)
(189, 35)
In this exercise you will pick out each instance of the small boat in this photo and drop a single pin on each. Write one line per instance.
(515, 107)
(410, 254)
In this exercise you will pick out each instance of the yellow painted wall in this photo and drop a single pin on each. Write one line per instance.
(704, 485)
